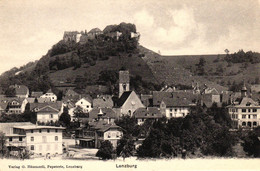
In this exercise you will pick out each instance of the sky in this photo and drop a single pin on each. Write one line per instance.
(29, 28)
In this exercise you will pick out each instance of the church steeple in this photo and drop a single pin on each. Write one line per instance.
(124, 82)
(243, 91)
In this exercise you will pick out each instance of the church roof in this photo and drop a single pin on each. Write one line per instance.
(124, 77)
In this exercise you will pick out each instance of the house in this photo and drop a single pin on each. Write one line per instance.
(124, 82)
(37, 139)
(209, 99)
(147, 99)
(47, 112)
(49, 96)
(97, 132)
(106, 114)
(244, 111)
(103, 101)
(85, 103)
(13, 105)
(128, 103)
(142, 114)
(174, 104)
(21, 91)
(36, 94)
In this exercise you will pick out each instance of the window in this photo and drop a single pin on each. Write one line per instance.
(31, 131)
(32, 138)
(10, 139)
(249, 116)
(87, 106)
(44, 139)
(254, 116)
(51, 115)
(108, 135)
(20, 138)
(236, 110)
(32, 147)
(243, 116)
(249, 110)
(56, 138)
(48, 130)
(254, 123)
(170, 109)
(243, 123)
(175, 110)
(56, 130)
(40, 131)
(254, 110)
(243, 110)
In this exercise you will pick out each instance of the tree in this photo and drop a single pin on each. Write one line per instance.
(200, 66)
(10, 92)
(251, 143)
(65, 117)
(3, 144)
(126, 146)
(226, 51)
(105, 151)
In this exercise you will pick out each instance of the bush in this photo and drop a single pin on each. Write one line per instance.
(106, 150)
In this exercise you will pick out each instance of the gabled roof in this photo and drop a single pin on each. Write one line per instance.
(47, 109)
(123, 98)
(56, 105)
(8, 100)
(71, 92)
(124, 77)
(103, 101)
(49, 91)
(150, 112)
(246, 102)
(106, 113)
(102, 126)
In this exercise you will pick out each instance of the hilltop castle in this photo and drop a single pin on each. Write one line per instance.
(83, 37)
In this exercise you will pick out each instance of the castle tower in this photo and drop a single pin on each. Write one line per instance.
(124, 82)
(243, 91)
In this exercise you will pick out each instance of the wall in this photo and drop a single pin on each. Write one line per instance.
(174, 112)
(42, 145)
(131, 104)
(45, 117)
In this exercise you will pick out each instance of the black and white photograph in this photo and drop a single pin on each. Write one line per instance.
(129, 85)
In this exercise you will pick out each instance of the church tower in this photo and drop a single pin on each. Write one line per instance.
(244, 91)
(124, 82)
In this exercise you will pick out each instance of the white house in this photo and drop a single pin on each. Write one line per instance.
(244, 112)
(49, 96)
(41, 139)
(37, 139)
(85, 103)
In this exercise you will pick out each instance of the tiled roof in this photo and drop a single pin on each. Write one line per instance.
(7, 128)
(102, 126)
(150, 112)
(103, 101)
(36, 94)
(175, 96)
(56, 105)
(177, 102)
(107, 113)
(47, 109)
(124, 77)
(6, 100)
(123, 98)
(246, 102)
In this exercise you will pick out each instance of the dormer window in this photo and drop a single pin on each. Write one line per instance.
(248, 104)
